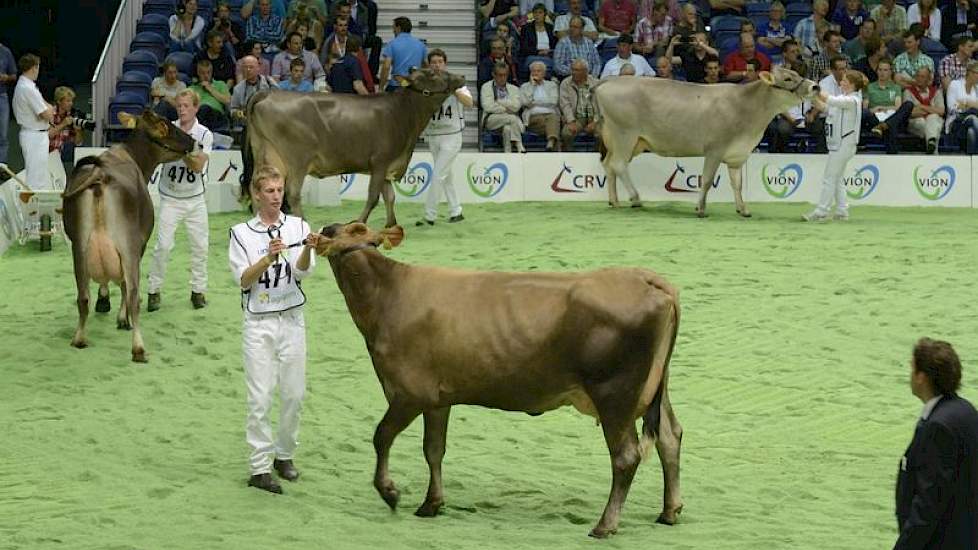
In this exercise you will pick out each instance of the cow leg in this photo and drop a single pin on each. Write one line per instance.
(435, 433)
(622, 441)
(710, 166)
(122, 320)
(130, 293)
(373, 195)
(613, 165)
(736, 183)
(388, 190)
(81, 282)
(293, 190)
(395, 420)
(667, 445)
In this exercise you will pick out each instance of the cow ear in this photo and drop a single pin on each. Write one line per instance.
(127, 120)
(766, 77)
(392, 236)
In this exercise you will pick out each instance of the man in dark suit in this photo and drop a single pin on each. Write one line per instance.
(937, 483)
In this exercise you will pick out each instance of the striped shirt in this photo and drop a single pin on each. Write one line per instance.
(952, 67)
(894, 23)
(567, 51)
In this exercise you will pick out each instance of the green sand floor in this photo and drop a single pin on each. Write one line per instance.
(790, 378)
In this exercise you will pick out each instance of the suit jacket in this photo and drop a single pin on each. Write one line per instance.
(528, 40)
(949, 22)
(937, 483)
(494, 105)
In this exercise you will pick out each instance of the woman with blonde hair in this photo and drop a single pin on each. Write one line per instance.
(63, 136)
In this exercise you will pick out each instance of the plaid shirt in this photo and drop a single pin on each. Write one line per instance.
(567, 51)
(265, 31)
(894, 23)
(952, 67)
(906, 66)
(645, 31)
(820, 65)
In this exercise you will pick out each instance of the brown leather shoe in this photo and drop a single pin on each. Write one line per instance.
(286, 469)
(265, 482)
(198, 300)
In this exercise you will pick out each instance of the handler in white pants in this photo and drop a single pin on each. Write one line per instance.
(182, 184)
(268, 259)
(34, 115)
(841, 137)
(444, 137)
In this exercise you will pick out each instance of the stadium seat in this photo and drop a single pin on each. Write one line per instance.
(126, 102)
(185, 78)
(154, 22)
(152, 42)
(134, 82)
(183, 60)
(727, 43)
(165, 8)
(143, 61)
(725, 23)
(758, 8)
(801, 9)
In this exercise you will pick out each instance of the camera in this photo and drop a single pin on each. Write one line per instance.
(83, 121)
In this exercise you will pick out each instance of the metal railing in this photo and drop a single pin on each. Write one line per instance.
(110, 64)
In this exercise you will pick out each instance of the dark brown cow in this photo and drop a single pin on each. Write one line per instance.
(108, 215)
(531, 342)
(331, 134)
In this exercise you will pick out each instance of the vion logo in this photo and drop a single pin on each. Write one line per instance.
(937, 185)
(577, 183)
(782, 183)
(681, 182)
(489, 181)
(415, 180)
(861, 184)
(346, 182)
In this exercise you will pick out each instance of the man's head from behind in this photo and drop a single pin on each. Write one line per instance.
(935, 369)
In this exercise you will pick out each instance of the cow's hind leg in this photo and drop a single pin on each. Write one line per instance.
(710, 166)
(668, 445)
(388, 191)
(619, 433)
(122, 320)
(103, 305)
(130, 289)
(614, 164)
(81, 282)
(736, 182)
(435, 433)
(395, 420)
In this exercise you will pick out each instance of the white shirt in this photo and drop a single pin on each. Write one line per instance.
(613, 66)
(913, 16)
(842, 123)
(175, 179)
(562, 23)
(28, 103)
(450, 117)
(929, 406)
(955, 93)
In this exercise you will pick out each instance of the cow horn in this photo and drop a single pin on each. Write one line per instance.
(766, 77)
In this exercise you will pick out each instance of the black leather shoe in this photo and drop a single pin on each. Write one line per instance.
(265, 482)
(456, 219)
(422, 223)
(153, 303)
(198, 300)
(286, 469)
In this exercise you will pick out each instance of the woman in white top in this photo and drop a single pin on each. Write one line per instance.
(962, 109)
(841, 138)
(186, 28)
(927, 14)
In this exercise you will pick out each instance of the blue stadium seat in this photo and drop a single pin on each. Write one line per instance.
(725, 23)
(727, 43)
(185, 78)
(154, 22)
(125, 102)
(152, 42)
(161, 7)
(143, 61)
(758, 8)
(802, 9)
(183, 60)
(134, 82)
(534, 142)
(760, 19)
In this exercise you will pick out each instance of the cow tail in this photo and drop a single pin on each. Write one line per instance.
(94, 180)
(653, 415)
(598, 122)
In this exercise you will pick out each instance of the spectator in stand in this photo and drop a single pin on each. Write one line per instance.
(711, 71)
(884, 107)
(627, 69)
(215, 96)
(562, 23)
(336, 42)
(363, 13)
(959, 19)
(301, 16)
(346, 75)
(282, 65)
(809, 30)
(501, 105)
(906, 64)
(539, 97)
(645, 8)
(222, 63)
(164, 90)
(537, 36)
(625, 55)
(400, 55)
(265, 27)
(186, 28)
(576, 46)
(891, 20)
(954, 65)
(830, 84)
(277, 8)
(831, 47)
(727, 7)
(497, 55)
(8, 76)
(876, 51)
(616, 17)
(688, 24)
(296, 81)
(962, 109)
(498, 12)
(527, 6)
(773, 32)
(928, 15)
(780, 130)
(232, 31)
(343, 10)
(735, 65)
(652, 34)
(927, 118)
(663, 68)
(576, 108)
(250, 83)
(507, 34)
(791, 51)
(849, 15)
(316, 9)
(855, 49)
(253, 49)
(693, 59)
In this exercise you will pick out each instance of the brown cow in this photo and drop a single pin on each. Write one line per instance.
(531, 342)
(332, 134)
(108, 215)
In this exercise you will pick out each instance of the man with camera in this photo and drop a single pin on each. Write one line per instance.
(34, 115)
(64, 134)
(692, 59)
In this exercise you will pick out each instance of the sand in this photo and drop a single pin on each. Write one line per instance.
(790, 378)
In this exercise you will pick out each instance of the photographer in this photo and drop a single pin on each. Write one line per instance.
(65, 133)
(692, 59)
(34, 116)
(186, 27)
(232, 31)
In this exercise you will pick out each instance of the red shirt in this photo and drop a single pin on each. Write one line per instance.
(736, 62)
(619, 16)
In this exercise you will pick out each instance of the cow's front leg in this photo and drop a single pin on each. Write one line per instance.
(435, 433)
(293, 190)
(710, 166)
(395, 420)
(619, 433)
(388, 190)
(377, 180)
(736, 182)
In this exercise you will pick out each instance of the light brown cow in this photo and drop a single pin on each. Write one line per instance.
(531, 342)
(108, 215)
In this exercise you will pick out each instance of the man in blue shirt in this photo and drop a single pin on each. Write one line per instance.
(8, 76)
(401, 54)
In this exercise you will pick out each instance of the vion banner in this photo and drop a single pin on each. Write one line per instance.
(783, 178)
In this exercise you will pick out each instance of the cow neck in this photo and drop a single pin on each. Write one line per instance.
(420, 117)
(366, 278)
(144, 152)
(772, 99)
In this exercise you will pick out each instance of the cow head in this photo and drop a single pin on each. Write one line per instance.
(784, 78)
(339, 239)
(173, 143)
(428, 82)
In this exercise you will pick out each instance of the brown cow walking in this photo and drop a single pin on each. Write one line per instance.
(108, 215)
(531, 342)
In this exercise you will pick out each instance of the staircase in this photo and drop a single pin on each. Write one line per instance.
(445, 24)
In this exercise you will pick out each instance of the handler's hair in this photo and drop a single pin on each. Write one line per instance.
(27, 62)
(192, 94)
(437, 52)
(263, 174)
(938, 360)
(857, 79)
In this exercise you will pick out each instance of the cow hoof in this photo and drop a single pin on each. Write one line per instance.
(390, 495)
(102, 305)
(613, 204)
(669, 518)
(602, 533)
(139, 356)
(636, 205)
(744, 214)
(80, 344)
(428, 509)
(702, 214)
(123, 325)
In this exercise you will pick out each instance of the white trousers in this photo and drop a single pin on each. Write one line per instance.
(443, 149)
(833, 188)
(193, 213)
(56, 168)
(34, 147)
(274, 355)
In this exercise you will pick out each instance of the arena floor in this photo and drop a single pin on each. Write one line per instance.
(790, 378)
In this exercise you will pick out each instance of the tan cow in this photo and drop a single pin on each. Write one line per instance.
(531, 342)
(108, 215)
(720, 122)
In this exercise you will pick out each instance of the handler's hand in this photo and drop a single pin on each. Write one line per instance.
(311, 240)
(275, 246)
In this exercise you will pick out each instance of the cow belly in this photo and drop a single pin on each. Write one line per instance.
(102, 258)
